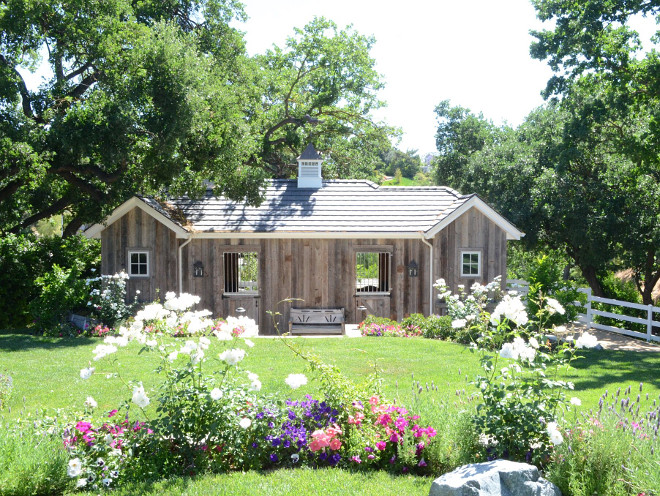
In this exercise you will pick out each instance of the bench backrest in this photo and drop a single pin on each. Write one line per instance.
(317, 315)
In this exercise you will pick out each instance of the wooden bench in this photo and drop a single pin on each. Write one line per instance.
(317, 321)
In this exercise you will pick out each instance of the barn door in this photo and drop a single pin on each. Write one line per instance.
(249, 303)
(377, 305)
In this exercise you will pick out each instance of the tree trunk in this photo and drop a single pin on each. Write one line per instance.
(72, 227)
(589, 273)
(650, 277)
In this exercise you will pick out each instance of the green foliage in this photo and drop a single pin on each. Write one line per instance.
(618, 289)
(607, 81)
(407, 163)
(25, 258)
(61, 291)
(433, 326)
(415, 319)
(98, 130)
(32, 460)
(320, 87)
(460, 134)
(437, 327)
(397, 176)
(544, 275)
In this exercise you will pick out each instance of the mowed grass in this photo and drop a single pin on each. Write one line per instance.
(45, 371)
(286, 482)
(46, 376)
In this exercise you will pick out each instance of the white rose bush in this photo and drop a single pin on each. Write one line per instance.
(522, 392)
(199, 403)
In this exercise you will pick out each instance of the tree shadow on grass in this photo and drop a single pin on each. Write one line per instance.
(11, 340)
(599, 369)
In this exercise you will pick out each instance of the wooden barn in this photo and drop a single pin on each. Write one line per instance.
(338, 244)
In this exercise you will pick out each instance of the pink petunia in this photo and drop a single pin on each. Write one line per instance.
(83, 427)
(335, 444)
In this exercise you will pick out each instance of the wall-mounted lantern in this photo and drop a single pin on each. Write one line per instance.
(412, 269)
(198, 269)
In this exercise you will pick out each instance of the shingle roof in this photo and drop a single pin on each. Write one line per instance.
(339, 206)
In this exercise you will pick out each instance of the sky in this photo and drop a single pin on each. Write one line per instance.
(474, 53)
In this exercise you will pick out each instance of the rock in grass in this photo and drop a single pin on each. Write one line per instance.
(496, 478)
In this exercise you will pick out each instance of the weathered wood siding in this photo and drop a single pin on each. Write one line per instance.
(472, 231)
(319, 271)
(138, 230)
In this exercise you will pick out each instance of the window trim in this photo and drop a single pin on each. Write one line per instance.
(138, 251)
(479, 263)
(378, 249)
(241, 249)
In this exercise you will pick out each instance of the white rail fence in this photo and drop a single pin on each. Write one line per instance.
(587, 317)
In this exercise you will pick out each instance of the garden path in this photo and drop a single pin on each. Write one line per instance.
(618, 342)
(609, 340)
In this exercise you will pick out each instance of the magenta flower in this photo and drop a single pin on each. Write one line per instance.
(83, 426)
(381, 445)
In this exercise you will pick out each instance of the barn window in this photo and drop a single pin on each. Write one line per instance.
(470, 263)
(138, 263)
(241, 270)
(373, 272)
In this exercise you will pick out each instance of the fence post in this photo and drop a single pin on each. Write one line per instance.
(649, 323)
(589, 315)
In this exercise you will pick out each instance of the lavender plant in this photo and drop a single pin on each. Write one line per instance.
(612, 450)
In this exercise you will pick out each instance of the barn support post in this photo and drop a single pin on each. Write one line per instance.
(181, 264)
(430, 245)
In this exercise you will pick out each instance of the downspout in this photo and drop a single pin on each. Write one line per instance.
(430, 273)
(181, 264)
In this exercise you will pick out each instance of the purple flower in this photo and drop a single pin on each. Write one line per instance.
(274, 458)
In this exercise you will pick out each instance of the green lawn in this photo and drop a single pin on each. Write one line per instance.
(46, 370)
(404, 182)
(286, 482)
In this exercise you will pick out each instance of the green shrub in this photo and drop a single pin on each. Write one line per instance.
(61, 291)
(25, 257)
(416, 320)
(437, 327)
(545, 280)
(617, 289)
(32, 461)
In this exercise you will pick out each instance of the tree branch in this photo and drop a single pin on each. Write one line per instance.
(10, 188)
(84, 85)
(72, 227)
(78, 71)
(52, 209)
(93, 170)
(88, 188)
(26, 101)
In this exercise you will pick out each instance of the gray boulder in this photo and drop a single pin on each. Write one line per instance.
(496, 478)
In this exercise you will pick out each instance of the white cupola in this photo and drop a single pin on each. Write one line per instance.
(309, 168)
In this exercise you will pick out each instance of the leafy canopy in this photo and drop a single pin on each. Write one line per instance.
(158, 98)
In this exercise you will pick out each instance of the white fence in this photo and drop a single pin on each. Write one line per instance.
(587, 318)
